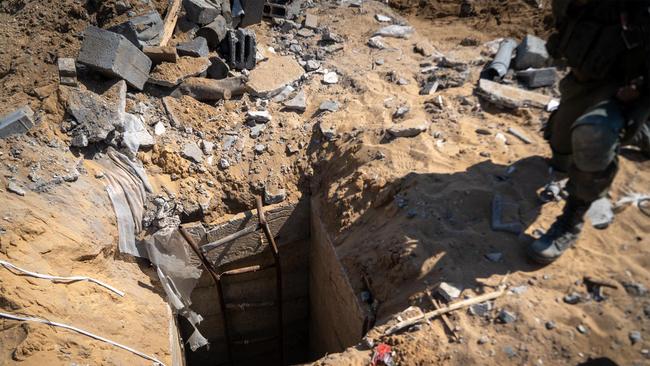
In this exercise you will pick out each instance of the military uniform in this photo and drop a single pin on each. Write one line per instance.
(607, 45)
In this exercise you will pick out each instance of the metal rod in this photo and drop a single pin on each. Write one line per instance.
(278, 274)
(243, 270)
(227, 239)
(217, 282)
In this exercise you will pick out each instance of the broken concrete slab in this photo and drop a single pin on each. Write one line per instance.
(537, 78)
(148, 29)
(214, 32)
(171, 74)
(13, 187)
(198, 47)
(531, 52)
(328, 106)
(114, 56)
(298, 103)
(159, 54)
(395, 31)
(283, 95)
(17, 122)
(410, 128)
(192, 152)
(511, 97)
(95, 115)
(312, 65)
(311, 21)
(270, 77)
(201, 12)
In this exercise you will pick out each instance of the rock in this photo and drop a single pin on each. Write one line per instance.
(424, 48)
(305, 33)
(19, 121)
(449, 291)
(200, 11)
(192, 152)
(635, 289)
(218, 69)
(483, 340)
(572, 298)
(383, 18)
(311, 21)
(329, 132)
(80, 140)
(395, 31)
(510, 97)
(379, 61)
(635, 337)
(198, 47)
(114, 56)
(409, 128)
(272, 196)
(646, 311)
(159, 54)
(259, 148)
(15, 188)
(483, 131)
(295, 48)
(483, 309)
(401, 112)
(328, 106)
(284, 94)
(146, 29)
(494, 257)
(269, 78)
(256, 130)
(171, 74)
(330, 37)
(537, 78)
(67, 71)
(207, 147)
(159, 129)
(377, 42)
(331, 78)
(95, 116)
(531, 52)
(298, 103)
(312, 65)
(429, 88)
(600, 213)
(506, 317)
(550, 325)
(258, 116)
(518, 290)
(224, 163)
(582, 329)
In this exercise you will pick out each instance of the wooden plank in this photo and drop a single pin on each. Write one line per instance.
(170, 22)
(288, 223)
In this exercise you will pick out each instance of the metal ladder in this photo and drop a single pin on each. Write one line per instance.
(218, 277)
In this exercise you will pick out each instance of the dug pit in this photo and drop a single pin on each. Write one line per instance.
(320, 311)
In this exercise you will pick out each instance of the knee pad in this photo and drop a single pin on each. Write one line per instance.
(594, 147)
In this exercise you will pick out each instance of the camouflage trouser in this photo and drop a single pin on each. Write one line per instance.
(584, 134)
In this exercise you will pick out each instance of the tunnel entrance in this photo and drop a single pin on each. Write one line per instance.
(320, 311)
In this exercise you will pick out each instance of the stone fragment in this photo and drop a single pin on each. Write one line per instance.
(429, 88)
(207, 147)
(171, 74)
(312, 65)
(482, 309)
(531, 52)
(305, 33)
(201, 11)
(582, 329)
(159, 129)
(260, 148)
(328, 106)
(295, 48)
(311, 21)
(79, 140)
(218, 69)
(147, 27)
(273, 196)
(159, 54)
(256, 129)
(449, 291)
(519, 290)
(135, 133)
(424, 48)
(17, 122)
(377, 42)
(15, 188)
(600, 213)
(214, 32)
(328, 131)
(395, 31)
(537, 78)
(572, 298)
(258, 116)
(506, 317)
(330, 37)
(635, 337)
(511, 97)
(284, 94)
(331, 78)
(67, 67)
(198, 47)
(383, 18)
(298, 103)
(192, 152)
(114, 56)
(550, 325)
(270, 77)
(635, 289)
(224, 163)
(483, 340)
(95, 116)
(410, 128)
(401, 112)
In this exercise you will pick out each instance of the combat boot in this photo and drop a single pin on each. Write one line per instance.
(562, 235)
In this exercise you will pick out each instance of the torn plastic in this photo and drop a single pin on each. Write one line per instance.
(135, 133)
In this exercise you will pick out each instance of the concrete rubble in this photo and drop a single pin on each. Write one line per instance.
(531, 53)
(17, 122)
(198, 47)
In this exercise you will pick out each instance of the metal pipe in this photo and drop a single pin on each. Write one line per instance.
(501, 63)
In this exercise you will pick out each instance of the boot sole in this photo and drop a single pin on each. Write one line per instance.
(538, 258)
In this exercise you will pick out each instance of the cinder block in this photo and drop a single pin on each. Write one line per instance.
(253, 11)
(143, 30)
(201, 11)
(536, 78)
(531, 53)
(159, 54)
(113, 55)
(214, 32)
(17, 122)
(198, 47)
(241, 49)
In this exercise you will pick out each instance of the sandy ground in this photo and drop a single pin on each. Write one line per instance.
(405, 213)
